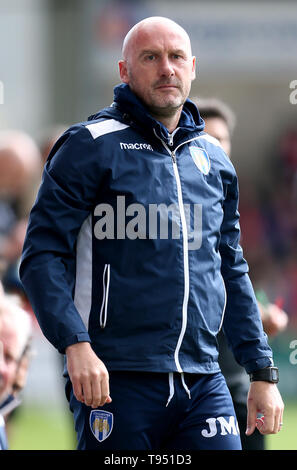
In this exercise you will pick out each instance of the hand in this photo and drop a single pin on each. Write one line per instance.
(274, 320)
(88, 375)
(264, 398)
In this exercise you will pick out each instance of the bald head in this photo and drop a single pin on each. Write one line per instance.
(20, 161)
(152, 26)
(158, 66)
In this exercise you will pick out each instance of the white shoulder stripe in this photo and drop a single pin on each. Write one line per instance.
(105, 127)
(211, 139)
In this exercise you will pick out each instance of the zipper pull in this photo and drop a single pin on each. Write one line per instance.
(171, 139)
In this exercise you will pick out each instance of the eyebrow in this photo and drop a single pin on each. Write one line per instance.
(152, 51)
(147, 52)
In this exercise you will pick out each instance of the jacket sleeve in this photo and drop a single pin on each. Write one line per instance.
(242, 322)
(47, 271)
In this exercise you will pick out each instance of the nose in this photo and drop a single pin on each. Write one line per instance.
(166, 67)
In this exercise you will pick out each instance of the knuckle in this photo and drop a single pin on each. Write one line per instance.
(75, 378)
(267, 431)
(104, 374)
(83, 376)
(94, 374)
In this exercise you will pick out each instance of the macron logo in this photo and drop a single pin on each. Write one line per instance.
(135, 146)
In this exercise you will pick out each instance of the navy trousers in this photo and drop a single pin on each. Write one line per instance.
(159, 411)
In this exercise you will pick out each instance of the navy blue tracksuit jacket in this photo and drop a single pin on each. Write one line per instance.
(100, 265)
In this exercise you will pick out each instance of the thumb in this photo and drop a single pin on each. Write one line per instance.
(251, 419)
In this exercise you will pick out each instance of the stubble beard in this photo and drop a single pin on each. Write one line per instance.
(160, 106)
(166, 110)
(163, 107)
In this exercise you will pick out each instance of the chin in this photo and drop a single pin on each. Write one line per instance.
(170, 103)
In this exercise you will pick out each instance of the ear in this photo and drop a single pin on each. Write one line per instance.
(193, 68)
(123, 71)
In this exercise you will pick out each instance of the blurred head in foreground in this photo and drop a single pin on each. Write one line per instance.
(15, 335)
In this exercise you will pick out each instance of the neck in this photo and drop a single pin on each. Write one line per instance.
(170, 122)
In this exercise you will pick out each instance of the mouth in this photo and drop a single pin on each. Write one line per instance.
(166, 87)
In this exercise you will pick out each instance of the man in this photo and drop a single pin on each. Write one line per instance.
(136, 307)
(15, 334)
(219, 122)
(20, 169)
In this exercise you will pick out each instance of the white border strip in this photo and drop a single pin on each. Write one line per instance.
(98, 129)
(83, 283)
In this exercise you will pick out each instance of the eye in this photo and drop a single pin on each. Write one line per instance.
(8, 359)
(179, 57)
(150, 57)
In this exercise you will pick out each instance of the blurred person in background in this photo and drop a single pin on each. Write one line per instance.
(49, 138)
(156, 350)
(15, 353)
(20, 171)
(281, 220)
(220, 122)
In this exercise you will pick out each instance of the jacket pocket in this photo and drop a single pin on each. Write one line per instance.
(104, 305)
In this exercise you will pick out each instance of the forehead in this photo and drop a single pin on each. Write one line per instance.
(160, 37)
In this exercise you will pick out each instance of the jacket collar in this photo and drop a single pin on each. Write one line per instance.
(135, 113)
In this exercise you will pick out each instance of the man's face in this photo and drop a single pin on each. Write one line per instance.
(8, 355)
(217, 127)
(159, 68)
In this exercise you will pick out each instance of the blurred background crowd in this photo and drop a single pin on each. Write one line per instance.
(58, 64)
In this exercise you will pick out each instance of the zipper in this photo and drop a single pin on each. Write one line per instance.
(185, 248)
(171, 136)
(105, 280)
(186, 263)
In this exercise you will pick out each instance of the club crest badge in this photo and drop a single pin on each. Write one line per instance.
(101, 424)
(201, 159)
